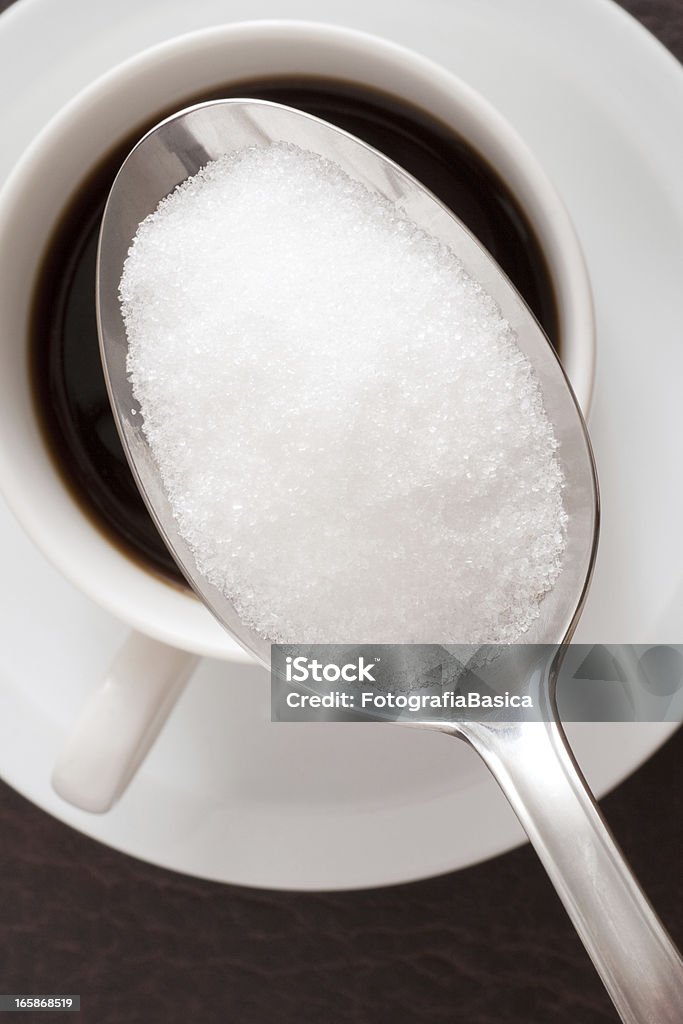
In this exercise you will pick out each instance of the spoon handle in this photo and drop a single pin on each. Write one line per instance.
(635, 957)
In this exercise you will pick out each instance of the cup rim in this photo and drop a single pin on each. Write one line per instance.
(567, 267)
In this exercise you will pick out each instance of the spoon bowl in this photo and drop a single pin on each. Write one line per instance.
(176, 149)
(530, 759)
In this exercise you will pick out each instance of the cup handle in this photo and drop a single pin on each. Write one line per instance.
(120, 722)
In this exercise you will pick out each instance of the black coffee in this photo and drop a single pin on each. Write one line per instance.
(69, 387)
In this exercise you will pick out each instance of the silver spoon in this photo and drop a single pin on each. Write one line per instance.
(639, 965)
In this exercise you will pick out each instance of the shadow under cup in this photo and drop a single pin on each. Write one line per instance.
(65, 371)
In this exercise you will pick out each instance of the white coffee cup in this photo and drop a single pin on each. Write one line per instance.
(171, 629)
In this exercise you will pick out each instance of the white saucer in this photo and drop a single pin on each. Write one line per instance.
(225, 793)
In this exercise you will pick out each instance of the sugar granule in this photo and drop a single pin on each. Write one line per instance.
(352, 442)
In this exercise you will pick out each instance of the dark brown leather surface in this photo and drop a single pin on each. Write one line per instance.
(489, 945)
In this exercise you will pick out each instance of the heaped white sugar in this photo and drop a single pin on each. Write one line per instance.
(353, 444)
